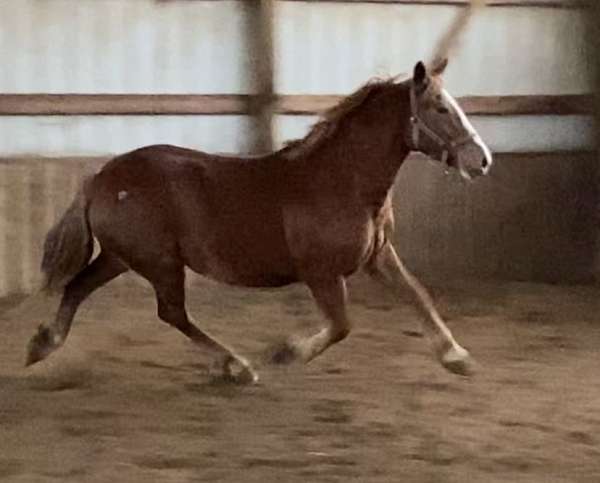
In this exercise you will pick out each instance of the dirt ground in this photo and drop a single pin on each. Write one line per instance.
(129, 400)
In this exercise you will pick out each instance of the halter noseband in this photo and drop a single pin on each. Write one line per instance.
(419, 125)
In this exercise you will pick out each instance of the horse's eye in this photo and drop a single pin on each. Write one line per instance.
(443, 110)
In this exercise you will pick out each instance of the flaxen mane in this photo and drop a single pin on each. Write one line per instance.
(331, 119)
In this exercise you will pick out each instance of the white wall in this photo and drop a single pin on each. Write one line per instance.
(333, 47)
(144, 46)
(100, 135)
(121, 46)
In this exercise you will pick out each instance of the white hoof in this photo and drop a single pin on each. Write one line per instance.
(294, 349)
(247, 377)
(233, 370)
(458, 361)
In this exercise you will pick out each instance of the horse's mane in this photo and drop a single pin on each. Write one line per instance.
(330, 120)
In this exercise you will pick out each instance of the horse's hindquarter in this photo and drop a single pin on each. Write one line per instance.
(130, 210)
(219, 216)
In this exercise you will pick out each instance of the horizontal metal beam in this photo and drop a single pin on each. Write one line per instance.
(460, 3)
(232, 104)
(121, 104)
(474, 105)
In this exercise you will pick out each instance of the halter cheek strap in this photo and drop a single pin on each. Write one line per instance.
(418, 126)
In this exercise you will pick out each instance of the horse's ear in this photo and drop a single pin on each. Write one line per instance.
(439, 67)
(419, 73)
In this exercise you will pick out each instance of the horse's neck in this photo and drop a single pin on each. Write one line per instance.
(376, 171)
(368, 151)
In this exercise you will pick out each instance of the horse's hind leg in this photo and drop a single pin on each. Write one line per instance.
(170, 295)
(51, 336)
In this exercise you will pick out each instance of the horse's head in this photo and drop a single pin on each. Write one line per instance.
(440, 128)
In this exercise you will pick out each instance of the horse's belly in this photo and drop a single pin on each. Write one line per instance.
(231, 259)
(247, 275)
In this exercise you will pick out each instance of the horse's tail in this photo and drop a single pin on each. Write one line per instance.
(69, 245)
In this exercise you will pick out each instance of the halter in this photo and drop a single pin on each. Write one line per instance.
(419, 125)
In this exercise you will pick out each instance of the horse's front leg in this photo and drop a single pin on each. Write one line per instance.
(387, 268)
(330, 296)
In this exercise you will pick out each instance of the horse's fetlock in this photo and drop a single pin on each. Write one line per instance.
(172, 315)
(43, 335)
(340, 334)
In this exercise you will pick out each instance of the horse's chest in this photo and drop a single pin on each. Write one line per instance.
(336, 242)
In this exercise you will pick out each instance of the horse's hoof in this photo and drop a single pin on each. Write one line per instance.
(40, 346)
(458, 361)
(233, 371)
(283, 353)
(32, 358)
(247, 377)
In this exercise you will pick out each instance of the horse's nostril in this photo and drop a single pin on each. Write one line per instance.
(484, 163)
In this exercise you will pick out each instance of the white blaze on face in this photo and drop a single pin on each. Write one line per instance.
(466, 124)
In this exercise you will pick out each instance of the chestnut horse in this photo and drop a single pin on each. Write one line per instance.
(315, 212)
